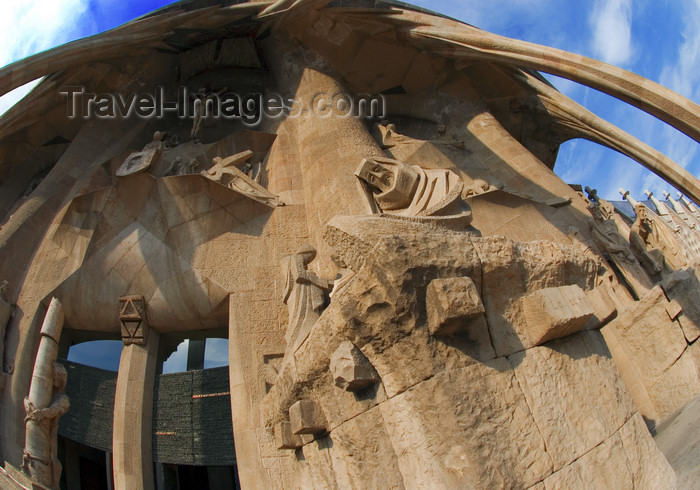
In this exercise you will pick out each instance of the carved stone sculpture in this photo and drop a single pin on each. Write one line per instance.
(652, 243)
(608, 238)
(479, 186)
(350, 368)
(200, 110)
(225, 172)
(606, 235)
(303, 295)
(391, 137)
(45, 404)
(141, 160)
(397, 188)
(132, 317)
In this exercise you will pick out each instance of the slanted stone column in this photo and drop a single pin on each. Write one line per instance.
(45, 404)
(133, 401)
(332, 142)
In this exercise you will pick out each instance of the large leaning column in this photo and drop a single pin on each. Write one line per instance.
(133, 401)
(332, 143)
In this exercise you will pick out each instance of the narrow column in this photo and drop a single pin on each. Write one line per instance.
(45, 403)
(195, 354)
(133, 401)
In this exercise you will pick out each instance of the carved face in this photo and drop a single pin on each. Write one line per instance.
(596, 212)
(376, 174)
(393, 183)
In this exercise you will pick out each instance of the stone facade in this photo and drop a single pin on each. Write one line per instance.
(412, 297)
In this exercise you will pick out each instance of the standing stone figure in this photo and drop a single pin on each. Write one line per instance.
(46, 419)
(303, 295)
(608, 238)
(200, 111)
(652, 244)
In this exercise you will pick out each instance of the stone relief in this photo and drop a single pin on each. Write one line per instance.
(140, 161)
(303, 295)
(608, 239)
(200, 111)
(420, 309)
(132, 317)
(45, 404)
(400, 189)
(46, 421)
(390, 137)
(226, 172)
(653, 243)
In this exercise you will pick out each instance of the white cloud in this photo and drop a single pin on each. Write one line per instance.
(612, 35)
(33, 26)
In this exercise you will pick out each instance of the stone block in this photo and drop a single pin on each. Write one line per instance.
(604, 308)
(450, 302)
(487, 439)
(605, 466)
(674, 308)
(653, 341)
(307, 417)
(553, 313)
(683, 286)
(574, 392)
(646, 462)
(285, 438)
(351, 370)
(676, 386)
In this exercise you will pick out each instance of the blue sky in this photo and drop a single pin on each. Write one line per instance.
(658, 39)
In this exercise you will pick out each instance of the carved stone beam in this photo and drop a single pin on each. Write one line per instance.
(114, 43)
(579, 122)
(463, 41)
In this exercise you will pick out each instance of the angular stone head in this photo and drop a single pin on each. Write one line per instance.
(308, 252)
(393, 183)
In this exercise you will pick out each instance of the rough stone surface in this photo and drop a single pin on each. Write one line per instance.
(683, 288)
(307, 418)
(451, 303)
(653, 340)
(593, 402)
(351, 369)
(494, 427)
(285, 438)
(553, 313)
